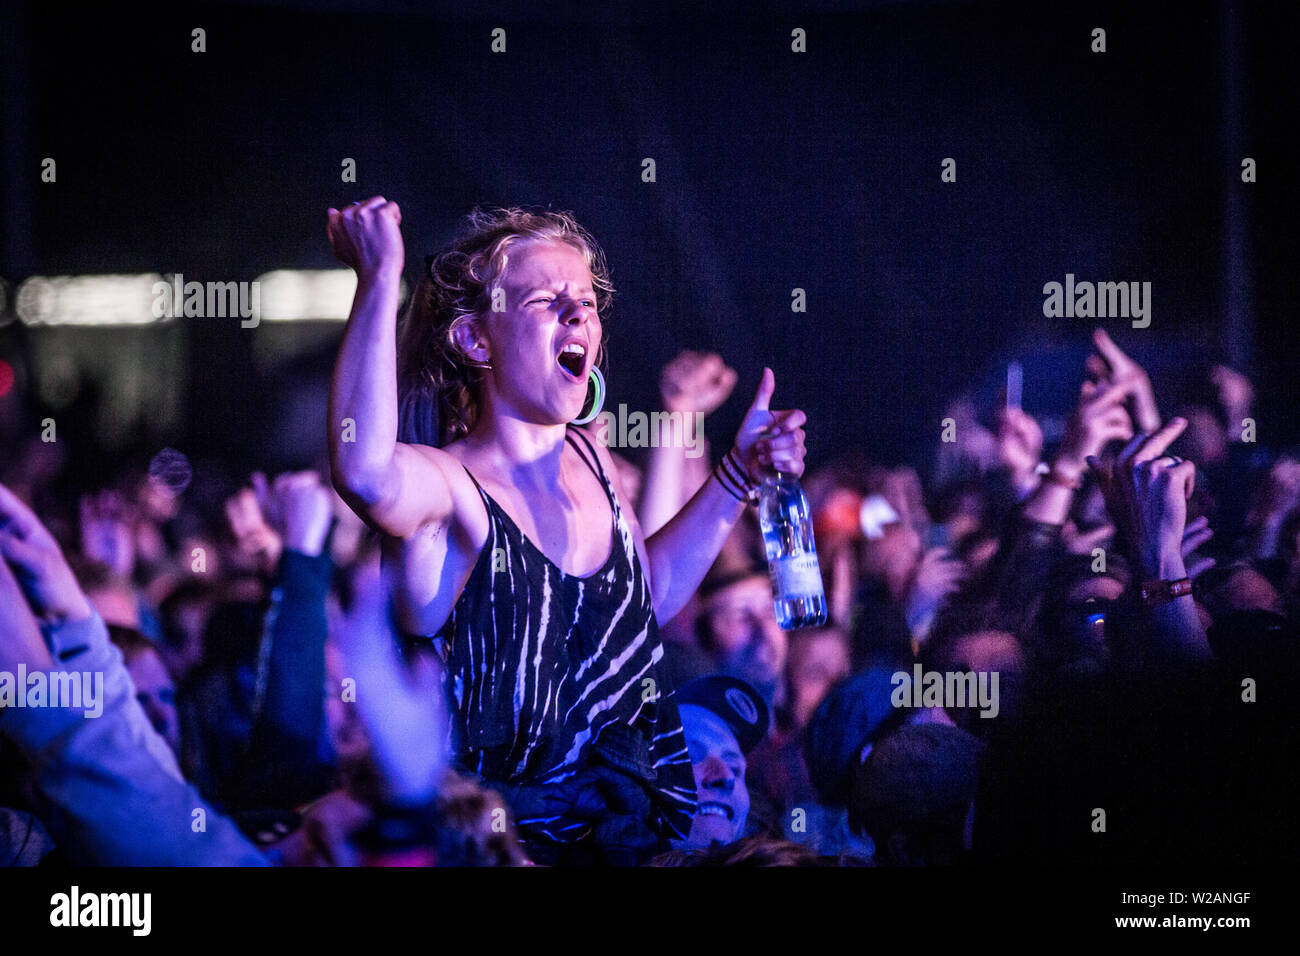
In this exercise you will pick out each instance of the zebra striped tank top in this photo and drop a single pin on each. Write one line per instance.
(539, 661)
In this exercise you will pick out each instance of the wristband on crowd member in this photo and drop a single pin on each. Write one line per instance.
(733, 478)
(717, 473)
(1161, 592)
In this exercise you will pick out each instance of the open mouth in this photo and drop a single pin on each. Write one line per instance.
(711, 808)
(573, 359)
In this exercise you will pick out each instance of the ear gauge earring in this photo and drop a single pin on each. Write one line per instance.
(595, 396)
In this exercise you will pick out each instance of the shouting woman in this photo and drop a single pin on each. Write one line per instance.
(519, 557)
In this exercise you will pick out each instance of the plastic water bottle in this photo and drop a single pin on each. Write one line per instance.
(786, 523)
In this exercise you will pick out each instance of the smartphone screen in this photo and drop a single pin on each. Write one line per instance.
(1015, 381)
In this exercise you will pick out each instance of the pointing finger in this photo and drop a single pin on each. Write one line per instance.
(1110, 351)
(1155, 446)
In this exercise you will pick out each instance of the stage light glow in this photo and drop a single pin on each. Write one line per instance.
(93, 300)
(295, 295)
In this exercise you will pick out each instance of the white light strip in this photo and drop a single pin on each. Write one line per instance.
(286, 295)
(87, 300)
(296, 295)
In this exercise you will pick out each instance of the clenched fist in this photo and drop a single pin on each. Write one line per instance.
(367, 237)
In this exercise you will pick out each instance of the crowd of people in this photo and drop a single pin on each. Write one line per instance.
(319, 672)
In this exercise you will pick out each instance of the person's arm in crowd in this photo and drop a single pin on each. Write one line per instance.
(1146, 494)
(103, 788)
(1019, 449)
(1098, 419)
(681, 552)
(691, 386)
(284, 755)
(402, 709)
(74, 632)
(1032, 540)
(394, 487)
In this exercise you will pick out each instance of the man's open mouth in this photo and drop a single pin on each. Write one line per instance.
(712, 808)
(573, 359)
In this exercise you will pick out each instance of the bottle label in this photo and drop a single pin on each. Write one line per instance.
(796, 575)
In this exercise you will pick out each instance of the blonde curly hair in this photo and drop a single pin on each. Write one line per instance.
(440, 385)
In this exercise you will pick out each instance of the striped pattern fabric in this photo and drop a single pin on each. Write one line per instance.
(538, 661)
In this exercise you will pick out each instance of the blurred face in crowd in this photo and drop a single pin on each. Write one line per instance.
(1097, 587)
(990, 652)
(723, 800)
(818, 660)
(184, 649)
(744, 637)
(157, 695)
(1248, 590)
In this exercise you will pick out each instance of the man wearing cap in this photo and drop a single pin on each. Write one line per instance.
(724, 718)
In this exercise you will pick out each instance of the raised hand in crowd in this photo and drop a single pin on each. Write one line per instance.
(1112, 366)
(937, 577)
(20, 634)
(256, 540)
(696, 382)
(298, 508)
(692, 385)
(1019, 447)
(367, 238)
(401, 708)
(47, 581)
(1146, 492)
(1099, 419)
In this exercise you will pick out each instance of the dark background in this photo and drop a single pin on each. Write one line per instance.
(775, 170)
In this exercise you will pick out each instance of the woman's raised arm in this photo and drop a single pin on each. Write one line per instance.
(396, 488)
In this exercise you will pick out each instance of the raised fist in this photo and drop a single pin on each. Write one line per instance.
(367, 237)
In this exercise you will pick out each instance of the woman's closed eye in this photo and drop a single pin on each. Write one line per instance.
(590, 303)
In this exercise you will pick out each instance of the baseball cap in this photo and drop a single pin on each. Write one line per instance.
(851, 714)
(735, 702)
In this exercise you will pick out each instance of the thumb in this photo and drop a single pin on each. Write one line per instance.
(763, 397)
